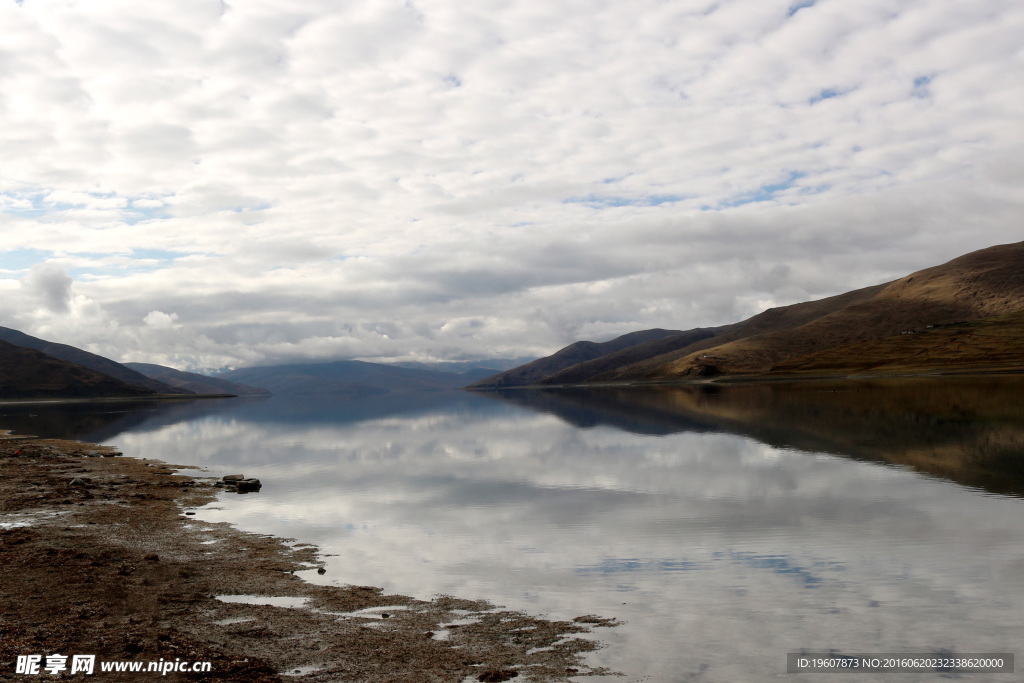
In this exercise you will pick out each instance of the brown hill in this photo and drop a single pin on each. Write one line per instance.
(28, 373)
(570, 366)
(587, 370)
(579, 352)
(766, 322)
(92, 361)
(990, 344)
(985, 283)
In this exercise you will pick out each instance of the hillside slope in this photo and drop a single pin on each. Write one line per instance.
(193, 382)
(609, 362)
(92, 361)
(579, 352)
(989, 344)
(982, 284)
(649, 354)
(28, 373)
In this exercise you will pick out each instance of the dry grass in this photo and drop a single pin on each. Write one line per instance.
(980, 285)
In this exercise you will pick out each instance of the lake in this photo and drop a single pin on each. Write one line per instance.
(726, 526)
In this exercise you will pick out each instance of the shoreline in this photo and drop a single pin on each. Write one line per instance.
(757, 379)
(101, 556)
(115, 399)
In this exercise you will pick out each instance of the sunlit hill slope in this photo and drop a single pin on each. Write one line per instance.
(965, 315)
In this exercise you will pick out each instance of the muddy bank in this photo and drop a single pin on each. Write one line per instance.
(99, 556)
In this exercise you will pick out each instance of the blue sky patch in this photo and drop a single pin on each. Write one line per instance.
(157, 254)
(40, 208)
(825, 94)
(21, 260)
(36, 209)
(137, 214)
(802, 4)
(921, 87)
(765, 192)
(597, 202)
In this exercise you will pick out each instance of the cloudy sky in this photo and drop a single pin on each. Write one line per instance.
(204, 183)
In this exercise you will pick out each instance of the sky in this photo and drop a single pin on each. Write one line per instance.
(209, 184)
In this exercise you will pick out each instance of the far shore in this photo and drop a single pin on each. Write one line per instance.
(763, 379)
(115, 399)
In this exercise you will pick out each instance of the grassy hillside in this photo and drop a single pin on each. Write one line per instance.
(979, 285)
(857, 331)
(579, 352)
(588, 370)
(92, 361)
(989, 344)
(28, 373)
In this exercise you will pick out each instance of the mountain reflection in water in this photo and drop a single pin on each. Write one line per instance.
(968, 430)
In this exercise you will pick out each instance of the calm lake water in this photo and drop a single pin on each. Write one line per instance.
(725, 526)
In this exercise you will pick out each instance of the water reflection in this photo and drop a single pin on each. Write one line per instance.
(721, 525)
(969, 430)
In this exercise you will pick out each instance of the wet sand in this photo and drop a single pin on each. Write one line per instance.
(99, 556)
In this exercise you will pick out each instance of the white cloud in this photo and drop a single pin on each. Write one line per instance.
(304, 171)
(160, 320)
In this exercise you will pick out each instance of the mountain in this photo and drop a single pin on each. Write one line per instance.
(568, 370)
(344, 378)
(193, 382)
(771, 321)
(88, 360)
(967, 314)
(984, 284)
(572, 355)
(28, 373)
(582, 372)
(464, 366)
(995, 343)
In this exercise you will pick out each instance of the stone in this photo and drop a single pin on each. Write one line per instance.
(233, 477)
(248, 485)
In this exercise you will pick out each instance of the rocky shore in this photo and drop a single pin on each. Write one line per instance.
(100, 556)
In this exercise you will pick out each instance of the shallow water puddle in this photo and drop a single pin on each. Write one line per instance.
(267, 600)
(385, 612)
(444, 632)
(233, 620)
(23, 519)
(301, 670)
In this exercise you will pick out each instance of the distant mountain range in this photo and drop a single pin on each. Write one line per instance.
(965, 315)
(36, 368)
(193, 382)
(349, 378)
